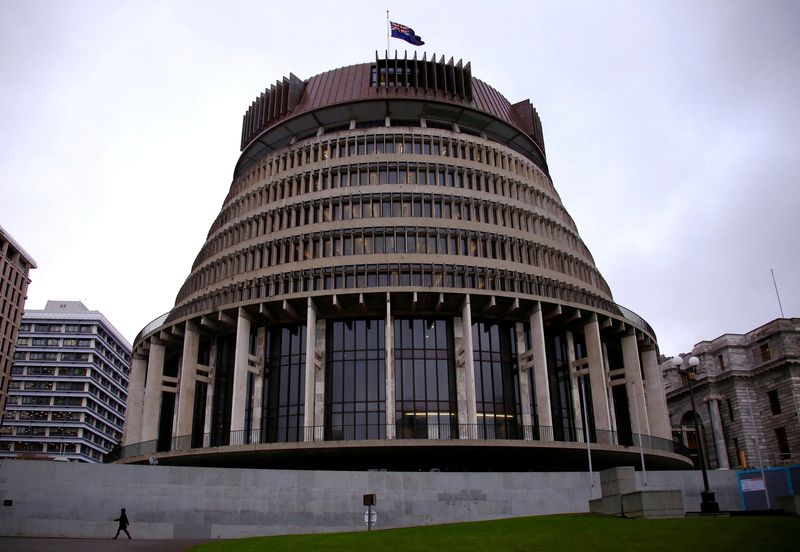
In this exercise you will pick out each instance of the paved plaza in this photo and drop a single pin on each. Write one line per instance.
(25, 544)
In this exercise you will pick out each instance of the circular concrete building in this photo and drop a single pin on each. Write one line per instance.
(394, 283)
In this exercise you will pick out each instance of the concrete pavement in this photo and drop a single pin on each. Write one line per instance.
(122, 544)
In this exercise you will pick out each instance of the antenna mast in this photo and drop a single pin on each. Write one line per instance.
(776, 292)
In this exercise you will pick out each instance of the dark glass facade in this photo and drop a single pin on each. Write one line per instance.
(496, 384)
(165, 421)
(284, 385)
(223, 392)
(355, 380)
(425, 394)
(559, 373)
(199, 413)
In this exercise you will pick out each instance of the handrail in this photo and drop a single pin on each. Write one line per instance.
(150, 327)
(399, 432)
(636, 320)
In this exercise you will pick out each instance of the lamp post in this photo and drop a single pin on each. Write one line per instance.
(708, 503)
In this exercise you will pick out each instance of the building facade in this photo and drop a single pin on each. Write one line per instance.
(15, 266)
(747, 394)
(393, 282)
(68, 387)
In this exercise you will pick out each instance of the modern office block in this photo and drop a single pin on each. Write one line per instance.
(15, 266)
(69, 385)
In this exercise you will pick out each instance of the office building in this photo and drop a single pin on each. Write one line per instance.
(68, 387)
(15, 266)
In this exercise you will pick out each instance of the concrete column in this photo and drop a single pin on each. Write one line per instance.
(577, 412)
(656, 400)
(152, 390)
(540, 379)
(188, 379)
(461, 382)
(524, 387)
(469, 368)
(389, 369)
(239, 399)
(597, 375)
(719, 436)
(634, 387)
(258, 390)
(319, 383)
(612, 415)
(310, 375)
(133, 416)
(212, 365)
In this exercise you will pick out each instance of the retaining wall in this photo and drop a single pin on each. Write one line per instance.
(54, 499)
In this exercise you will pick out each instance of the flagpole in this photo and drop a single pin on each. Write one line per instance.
(774, 283)
(388, 26)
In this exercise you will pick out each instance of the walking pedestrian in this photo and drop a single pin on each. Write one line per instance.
(123, 524)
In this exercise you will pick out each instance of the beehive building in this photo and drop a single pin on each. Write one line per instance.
(393, 282)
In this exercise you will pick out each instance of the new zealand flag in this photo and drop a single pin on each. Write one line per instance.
(405, 33)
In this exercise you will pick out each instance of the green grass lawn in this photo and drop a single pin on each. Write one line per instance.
(544, 533)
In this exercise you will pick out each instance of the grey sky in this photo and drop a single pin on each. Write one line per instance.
(671, 132)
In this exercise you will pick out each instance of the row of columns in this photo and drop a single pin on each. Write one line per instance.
(648, 412)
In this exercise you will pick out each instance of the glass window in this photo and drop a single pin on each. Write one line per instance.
(765, 352)
(284, 385)
(496, 385)
(774, 402)
(783, 443)
(355, 386)
(426, 400)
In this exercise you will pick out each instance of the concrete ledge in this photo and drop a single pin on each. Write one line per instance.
(618, 481)
(622, 497)
(608, 505)
(790, 504)
(653, 504)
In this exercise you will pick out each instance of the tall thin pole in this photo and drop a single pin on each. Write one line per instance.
(774, 283)
(639, 431)
(388, 31)
(697, 436)
(758, 447)
(582, 381)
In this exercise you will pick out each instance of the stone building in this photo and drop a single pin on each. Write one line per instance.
(15, 265)
(747, 394)
(68, 386)
(393, 282)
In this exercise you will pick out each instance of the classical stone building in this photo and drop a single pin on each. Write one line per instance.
(747, 394)
(393, 282)
(15, 265)
(68, 387)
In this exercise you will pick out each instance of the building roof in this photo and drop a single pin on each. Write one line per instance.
(72, 310)
(747, 338)
(438, 89)
(4, 233)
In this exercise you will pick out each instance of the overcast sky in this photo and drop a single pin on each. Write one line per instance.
(672, 132)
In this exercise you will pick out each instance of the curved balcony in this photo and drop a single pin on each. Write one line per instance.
(426, 446)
